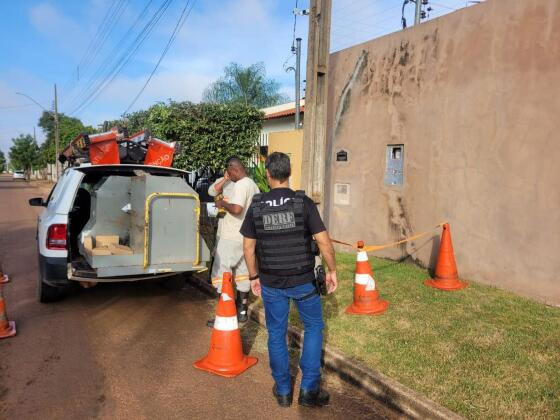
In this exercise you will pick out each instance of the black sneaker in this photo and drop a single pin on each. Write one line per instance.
(241, 306)
(242, 316)
(317, 398)
(283, 400)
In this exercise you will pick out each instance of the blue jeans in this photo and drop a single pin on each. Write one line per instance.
(277, 309)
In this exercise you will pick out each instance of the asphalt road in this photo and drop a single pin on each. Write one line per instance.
(125, 350)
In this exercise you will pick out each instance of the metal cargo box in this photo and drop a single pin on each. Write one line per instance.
(157, 217)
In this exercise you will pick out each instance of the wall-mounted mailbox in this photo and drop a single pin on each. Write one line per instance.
(342, 156)
(394, 169)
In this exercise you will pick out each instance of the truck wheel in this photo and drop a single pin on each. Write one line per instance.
(47, 293)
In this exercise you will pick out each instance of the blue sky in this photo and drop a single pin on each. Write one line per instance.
(46, 41)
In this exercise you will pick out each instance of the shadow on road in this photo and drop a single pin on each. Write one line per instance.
(133, 290)
(7, 183)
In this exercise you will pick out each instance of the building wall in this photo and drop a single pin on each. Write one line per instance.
(280, 124)
(474, 98)
(291, 143)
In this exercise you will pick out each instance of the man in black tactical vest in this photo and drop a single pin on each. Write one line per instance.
(281, 232)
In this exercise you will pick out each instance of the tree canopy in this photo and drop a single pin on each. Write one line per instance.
(2, 162)
(134, 122)
(245, 85)
(68, 129)
(208, 133)
(24, 153)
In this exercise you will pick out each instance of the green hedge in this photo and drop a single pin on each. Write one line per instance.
(208, 133)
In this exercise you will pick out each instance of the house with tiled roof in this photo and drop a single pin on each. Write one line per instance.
(279, 134)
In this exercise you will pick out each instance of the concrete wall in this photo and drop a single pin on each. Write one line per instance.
(474, 97)
(47, 173)
(291, 143)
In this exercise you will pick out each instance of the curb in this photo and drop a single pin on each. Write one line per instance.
(375, 384)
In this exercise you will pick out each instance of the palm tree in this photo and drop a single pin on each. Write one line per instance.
(246, 85)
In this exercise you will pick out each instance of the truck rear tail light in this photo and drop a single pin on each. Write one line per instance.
(56, 237)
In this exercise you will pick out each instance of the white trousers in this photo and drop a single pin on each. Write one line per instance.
(229, 257)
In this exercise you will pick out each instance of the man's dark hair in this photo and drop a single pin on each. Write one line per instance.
(278, 165)
(235, 161)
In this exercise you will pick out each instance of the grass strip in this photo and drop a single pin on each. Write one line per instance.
(481, 352)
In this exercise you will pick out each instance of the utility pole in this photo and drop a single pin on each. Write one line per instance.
(418, 12)
(315, 127)
(298, 83)
(56, 132)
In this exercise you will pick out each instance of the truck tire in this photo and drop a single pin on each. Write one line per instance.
(47, 293)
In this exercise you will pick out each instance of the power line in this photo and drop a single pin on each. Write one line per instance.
(295, 23)
(111, 23)
(101, 30)
(123, 60)
(178, 26)
(442, 5)
(346, 6)
(360, 11)
(366, 20)
(373, 26)
(292, 51)
(120, 46)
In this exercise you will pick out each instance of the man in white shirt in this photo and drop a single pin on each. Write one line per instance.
(222, 186)
(229, 249)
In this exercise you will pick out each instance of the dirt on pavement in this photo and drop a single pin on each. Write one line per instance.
(125, 350)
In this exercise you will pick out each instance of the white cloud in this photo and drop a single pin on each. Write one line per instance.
(58, 28)
(175, 84)
(244, 31)
(178, 85)
(215, 34)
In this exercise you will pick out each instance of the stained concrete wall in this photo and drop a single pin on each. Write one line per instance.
(474, 97)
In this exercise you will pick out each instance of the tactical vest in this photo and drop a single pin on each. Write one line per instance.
(283, 242)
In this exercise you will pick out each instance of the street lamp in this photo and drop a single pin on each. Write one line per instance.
(55, 116)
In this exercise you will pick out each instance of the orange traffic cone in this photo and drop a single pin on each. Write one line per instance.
(446, 270)
(225, 357)
(3, 277)
(366, 297)
(7, 328)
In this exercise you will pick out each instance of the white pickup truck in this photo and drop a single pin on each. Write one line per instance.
(150, 213)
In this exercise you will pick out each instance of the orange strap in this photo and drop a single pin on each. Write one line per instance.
(379, 247)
